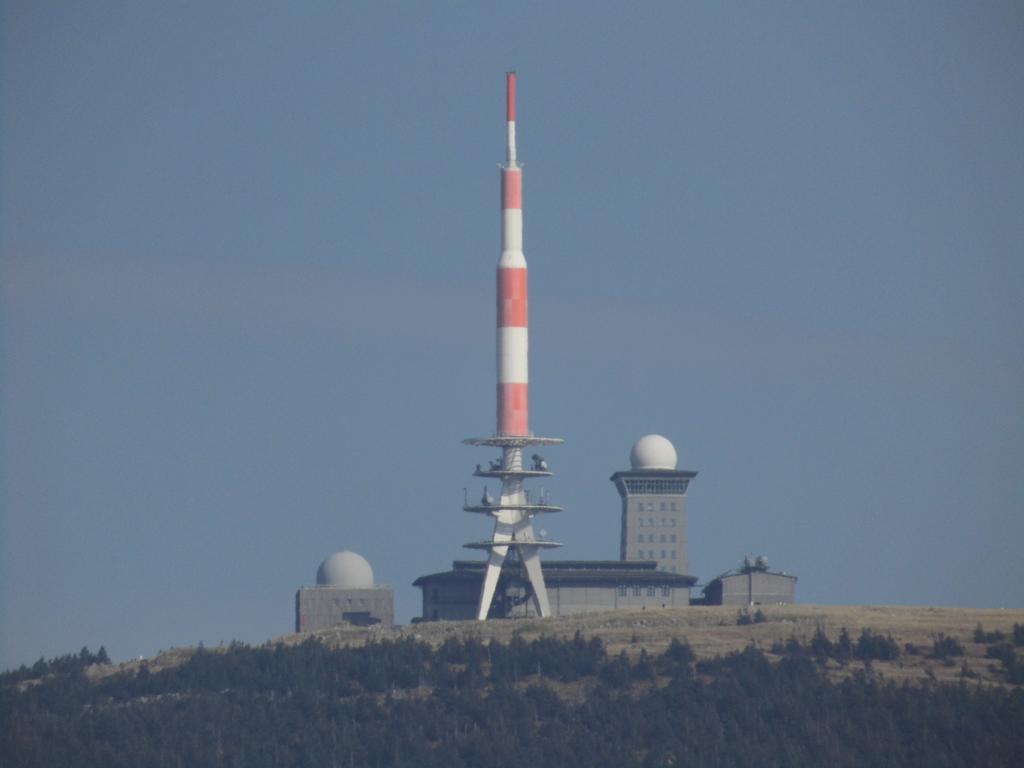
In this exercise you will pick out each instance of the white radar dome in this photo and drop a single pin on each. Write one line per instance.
(344, 569)
(653, 452)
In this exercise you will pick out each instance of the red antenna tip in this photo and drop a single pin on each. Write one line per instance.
(510, 96)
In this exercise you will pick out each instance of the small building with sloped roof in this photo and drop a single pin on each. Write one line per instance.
(751, 584)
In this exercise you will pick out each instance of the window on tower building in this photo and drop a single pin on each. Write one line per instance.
(650, 554)
(663, 554)
(672, 538)
(673, 522)
(636, 591)
(650, 591)
(640, 554)
(622, 590)
(673, 554)
(666, 591)
(673, 506)
(663, 506)
(662, 538)
(641, 522)
(650, 522)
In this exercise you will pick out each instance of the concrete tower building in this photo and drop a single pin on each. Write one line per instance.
(653, 496)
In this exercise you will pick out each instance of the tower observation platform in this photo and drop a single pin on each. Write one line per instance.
(513, 512)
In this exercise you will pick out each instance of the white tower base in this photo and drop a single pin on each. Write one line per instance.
(513, 521)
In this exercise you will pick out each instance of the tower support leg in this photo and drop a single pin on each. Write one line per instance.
(531, 561)
(502, 532)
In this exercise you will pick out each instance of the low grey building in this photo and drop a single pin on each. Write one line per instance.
(751, 584)
(344, 594)
(574, 586)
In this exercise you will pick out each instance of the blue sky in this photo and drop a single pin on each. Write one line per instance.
(247, 258)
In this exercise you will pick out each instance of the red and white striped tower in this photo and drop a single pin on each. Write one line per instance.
(513, 514)
(513, 326)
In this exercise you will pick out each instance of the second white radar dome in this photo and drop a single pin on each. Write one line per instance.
(653, 452)
(345, 569)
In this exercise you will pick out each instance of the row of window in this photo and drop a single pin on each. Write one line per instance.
(650, 538)
(652, 487)
(649, 522)
(652, 591)
(664, 506)
(650, 555)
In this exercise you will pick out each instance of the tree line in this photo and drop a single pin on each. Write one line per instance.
(548, 702)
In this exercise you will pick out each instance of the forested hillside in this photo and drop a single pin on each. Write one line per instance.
(545, 702)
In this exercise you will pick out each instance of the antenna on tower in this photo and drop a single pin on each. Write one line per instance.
(510, 118)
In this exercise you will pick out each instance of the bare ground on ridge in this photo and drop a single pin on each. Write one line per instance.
(713, 631)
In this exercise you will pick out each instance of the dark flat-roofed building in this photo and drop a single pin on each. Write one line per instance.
(574, 586)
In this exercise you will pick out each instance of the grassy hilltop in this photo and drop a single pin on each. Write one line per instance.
(710, 632)
(715, 631)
